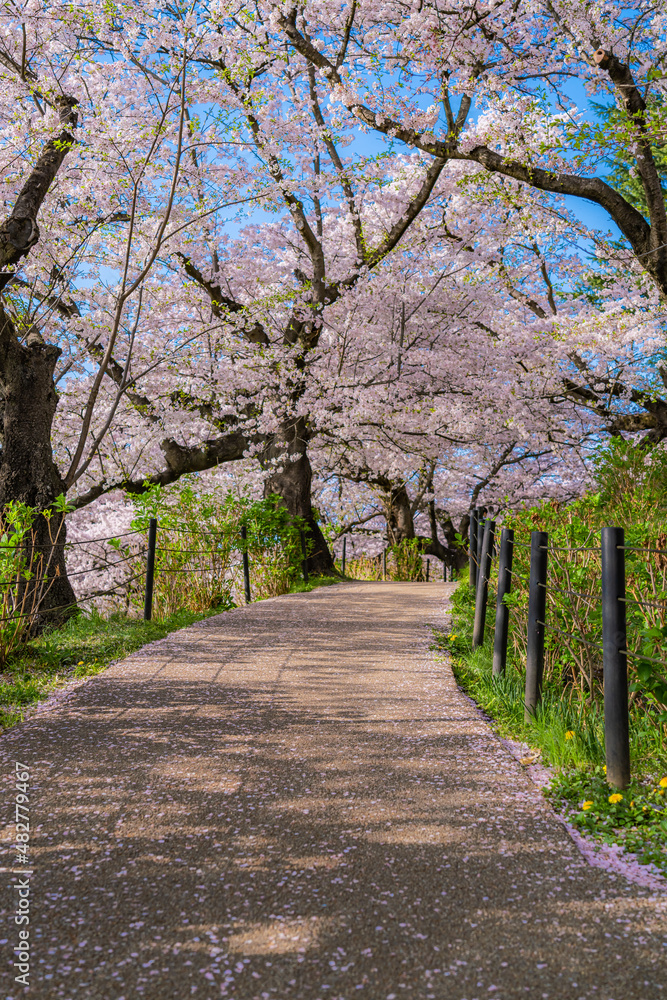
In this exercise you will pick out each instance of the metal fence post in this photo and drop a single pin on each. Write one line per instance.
(384, 564)
(480, 543)
(537, 605)
(344, 547)
(428, 569)
(472, 556)
(304, 550)
(150, 569)
(246, 564)
(483, 574)
(502, 611)
(444, 571)
(614, 659)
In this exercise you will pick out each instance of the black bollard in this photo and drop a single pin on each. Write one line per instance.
(614, 659)
(480, 543)
(304, 550)
(472, 556)
(502, 611)
(344, 547)
(483, 574)
(537, 606)
(150, 569)
(246, 564)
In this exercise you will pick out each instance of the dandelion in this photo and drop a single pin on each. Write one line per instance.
(80, 663)
(662, 783)
(451, 638)
(616, 797)
(605, 768)
(569, 735)
(587, 805)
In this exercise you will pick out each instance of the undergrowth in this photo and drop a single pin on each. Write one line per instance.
(567, 734)
(318, 581)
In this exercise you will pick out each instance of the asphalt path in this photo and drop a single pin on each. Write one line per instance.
(293, 800)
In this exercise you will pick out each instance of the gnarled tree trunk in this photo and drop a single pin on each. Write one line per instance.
(398, 513)
(292, 482)
(401, 526)
(27, 470)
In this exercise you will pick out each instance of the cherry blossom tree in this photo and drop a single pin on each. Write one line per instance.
(394, 315)
(499, 82)
(96, 163)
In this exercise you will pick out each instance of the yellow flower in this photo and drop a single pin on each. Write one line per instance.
(644, 809)
(587, 805)
(605, 768)
(569, 735)
(663, 782)
(451, 638)
(616, 797)
(80, 663)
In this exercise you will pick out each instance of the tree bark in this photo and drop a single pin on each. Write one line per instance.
(292, 483)
(398, 514)
(401, 525)
(456, 555)
(19, 232)
(27, 470)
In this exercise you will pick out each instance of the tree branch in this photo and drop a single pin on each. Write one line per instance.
(179, 460)
(19, 232)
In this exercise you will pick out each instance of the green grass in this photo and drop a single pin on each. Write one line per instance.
(85, 645)
(315, 581)
(568, 732)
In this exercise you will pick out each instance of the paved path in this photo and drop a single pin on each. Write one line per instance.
(294, 801)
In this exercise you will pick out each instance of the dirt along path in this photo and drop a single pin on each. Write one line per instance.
(293, 800)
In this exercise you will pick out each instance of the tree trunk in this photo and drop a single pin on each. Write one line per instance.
(292, 482)
(398, 514)
(401, 526)
(456, 555)
(27, 470)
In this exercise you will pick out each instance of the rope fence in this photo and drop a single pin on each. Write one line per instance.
(612, 599)
(41, 582)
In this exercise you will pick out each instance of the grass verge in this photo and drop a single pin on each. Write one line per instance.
(86, 645)
(568, 734)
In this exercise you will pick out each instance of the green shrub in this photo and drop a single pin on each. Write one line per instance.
(198, 557)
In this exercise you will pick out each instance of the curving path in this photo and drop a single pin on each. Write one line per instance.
(293, 800)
